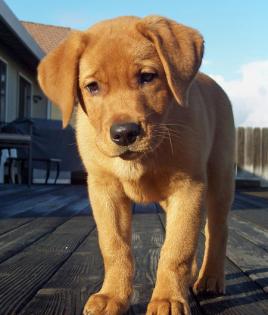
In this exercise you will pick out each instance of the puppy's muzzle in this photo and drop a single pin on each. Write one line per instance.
(125, 134)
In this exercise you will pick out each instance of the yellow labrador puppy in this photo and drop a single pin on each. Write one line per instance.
(150, 128)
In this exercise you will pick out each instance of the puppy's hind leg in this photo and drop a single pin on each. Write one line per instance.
(219, 200)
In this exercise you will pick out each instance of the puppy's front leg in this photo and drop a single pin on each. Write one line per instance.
(184, 217)
(112, 213)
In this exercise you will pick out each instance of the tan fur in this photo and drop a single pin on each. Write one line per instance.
(184, 157)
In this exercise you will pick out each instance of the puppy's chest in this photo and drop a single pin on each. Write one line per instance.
(147, 189)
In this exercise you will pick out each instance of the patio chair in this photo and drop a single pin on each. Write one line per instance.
(16, 141)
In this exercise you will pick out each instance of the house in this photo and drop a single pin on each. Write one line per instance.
(22, 46)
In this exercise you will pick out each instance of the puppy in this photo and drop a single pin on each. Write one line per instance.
(150, 128)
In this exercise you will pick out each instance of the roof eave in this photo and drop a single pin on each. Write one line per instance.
(14, 24)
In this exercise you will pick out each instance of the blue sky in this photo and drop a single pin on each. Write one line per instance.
(235, 31)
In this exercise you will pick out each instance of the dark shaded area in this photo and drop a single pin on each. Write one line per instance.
(49, 140)
(16, 47)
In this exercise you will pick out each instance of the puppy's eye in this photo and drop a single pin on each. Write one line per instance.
(147, 77)
(93, 88)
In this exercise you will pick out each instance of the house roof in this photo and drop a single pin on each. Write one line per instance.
(46, 36)
(15, 38)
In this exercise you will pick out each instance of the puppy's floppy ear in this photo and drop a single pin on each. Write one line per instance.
(58, 73)
(180, 50)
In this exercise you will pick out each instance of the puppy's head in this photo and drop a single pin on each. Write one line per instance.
(125, 73)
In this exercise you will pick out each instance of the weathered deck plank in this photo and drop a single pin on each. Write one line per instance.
(37, 204)
(14, 220)
(16, 195)
(24, 274)
(257, 216)
(16, 240)
(13, 189)
(7, 225)
(263, 193)
(249, 230)
(253, 201)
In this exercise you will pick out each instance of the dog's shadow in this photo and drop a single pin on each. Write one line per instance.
(242, 294)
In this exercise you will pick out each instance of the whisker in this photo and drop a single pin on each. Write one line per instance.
(170, 141)
(167, 131)
(179, 125)
(167, 136)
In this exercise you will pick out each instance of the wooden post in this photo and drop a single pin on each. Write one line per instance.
(240, 140)
(265, 155)
(257, 152)
(249, 151)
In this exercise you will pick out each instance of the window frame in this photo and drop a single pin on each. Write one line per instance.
(23, 76)
(6, 94)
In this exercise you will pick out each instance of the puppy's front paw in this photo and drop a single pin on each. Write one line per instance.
(168, 307)
(102, 304)
(209, 284)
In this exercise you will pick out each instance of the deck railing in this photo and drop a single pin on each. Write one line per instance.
(252, 152)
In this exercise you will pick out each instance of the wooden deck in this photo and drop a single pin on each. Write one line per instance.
(50, 261)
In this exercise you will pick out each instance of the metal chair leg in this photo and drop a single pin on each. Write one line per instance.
(57, 172)
(30, 166)
(47, 171)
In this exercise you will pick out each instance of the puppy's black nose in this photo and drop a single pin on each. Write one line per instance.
(125, 134)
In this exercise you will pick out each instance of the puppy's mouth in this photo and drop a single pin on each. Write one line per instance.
(137, 152)
(129, 155)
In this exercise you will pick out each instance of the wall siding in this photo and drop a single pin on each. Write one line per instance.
(14, 68)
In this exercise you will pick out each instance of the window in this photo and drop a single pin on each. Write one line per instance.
(3, 90)
(25, 98)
